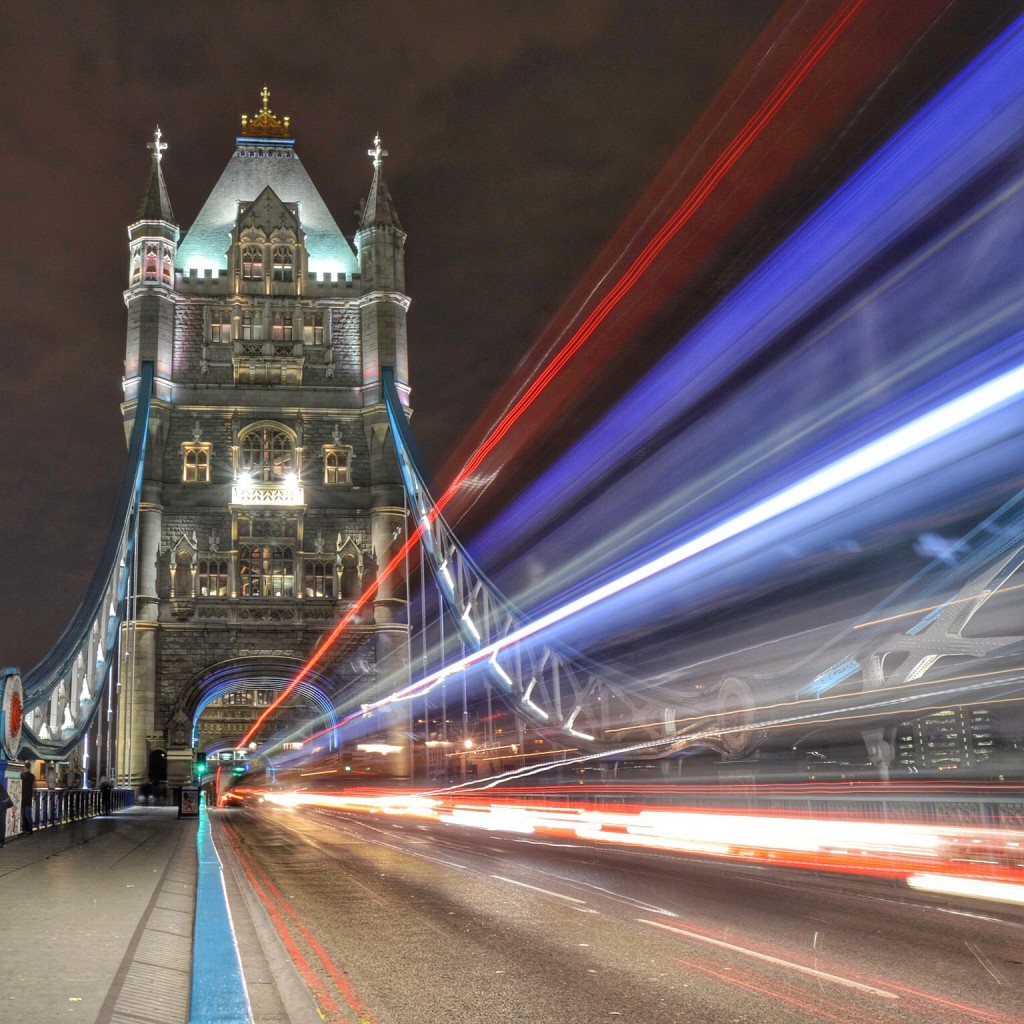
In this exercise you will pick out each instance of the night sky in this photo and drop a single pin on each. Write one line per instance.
(520, 134)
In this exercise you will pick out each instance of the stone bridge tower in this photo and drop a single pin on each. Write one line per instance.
(271, 489)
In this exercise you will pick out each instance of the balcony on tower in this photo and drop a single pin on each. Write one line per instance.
(267, 362)
(279, 493)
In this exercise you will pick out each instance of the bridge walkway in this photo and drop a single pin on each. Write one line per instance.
(99, 918)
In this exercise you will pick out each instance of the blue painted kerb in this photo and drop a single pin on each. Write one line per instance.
(218, 993)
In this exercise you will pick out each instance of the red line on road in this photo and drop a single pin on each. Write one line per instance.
(338, 976)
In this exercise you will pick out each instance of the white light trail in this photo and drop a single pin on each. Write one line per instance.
(930, 427)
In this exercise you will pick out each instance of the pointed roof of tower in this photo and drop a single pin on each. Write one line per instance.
(265, 156)
(380, 207)
(156, 203)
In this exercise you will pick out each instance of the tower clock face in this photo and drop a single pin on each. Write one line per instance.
(13, 714)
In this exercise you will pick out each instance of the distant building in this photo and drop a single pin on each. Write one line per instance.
(974, 740)
(271, 491)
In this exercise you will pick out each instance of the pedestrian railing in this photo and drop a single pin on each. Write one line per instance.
(59, 806)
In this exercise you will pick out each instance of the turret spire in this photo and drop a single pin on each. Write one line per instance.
(380, 207)
(156, 203)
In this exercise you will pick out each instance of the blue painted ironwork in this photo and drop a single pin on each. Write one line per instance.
(63, 691)
(543, 684)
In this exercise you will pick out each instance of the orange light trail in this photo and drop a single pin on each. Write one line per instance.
(753, 127)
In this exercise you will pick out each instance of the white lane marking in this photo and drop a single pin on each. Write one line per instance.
(984, 961)
(628, 900)
(849, 982)
(535, 888)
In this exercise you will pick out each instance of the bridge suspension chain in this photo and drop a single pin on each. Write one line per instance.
(63, 692)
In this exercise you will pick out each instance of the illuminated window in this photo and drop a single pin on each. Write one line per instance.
(136, 267)
(150, 272)
(220, 325)
(319, 579)
(212, 579)
(336, 463)
(281, 329)
(282, 257)
(195, 459)
(166, 269)
(252, 327)
(267, 454)
(252, 262)
(313, 328)
(266, 570)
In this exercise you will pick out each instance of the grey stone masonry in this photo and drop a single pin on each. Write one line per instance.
(272, 490)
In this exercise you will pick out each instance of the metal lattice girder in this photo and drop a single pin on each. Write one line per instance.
(542, 684)
(62, 692)
(546, 685)
(882, 652)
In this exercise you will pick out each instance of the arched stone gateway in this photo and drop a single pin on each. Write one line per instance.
(268, 439)
(221, 703)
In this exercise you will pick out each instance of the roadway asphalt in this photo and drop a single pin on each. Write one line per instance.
(397, 922)
(369, 920)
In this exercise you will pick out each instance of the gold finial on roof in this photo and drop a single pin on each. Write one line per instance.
(264, 124)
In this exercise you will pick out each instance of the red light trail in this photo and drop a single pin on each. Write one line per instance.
(822, 43)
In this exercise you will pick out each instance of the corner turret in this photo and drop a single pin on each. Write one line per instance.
(380, 242)
(152, 246)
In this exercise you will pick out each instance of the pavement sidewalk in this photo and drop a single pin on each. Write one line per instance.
(98, 918)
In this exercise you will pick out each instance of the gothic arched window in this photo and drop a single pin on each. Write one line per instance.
(150, 272)
(220, 325)
(281, 329)
(252, 262)
(196, 462)
(336, 463)
(252, 327)
(267, 454)
(313, 328)
(266, 571)
(283, 262)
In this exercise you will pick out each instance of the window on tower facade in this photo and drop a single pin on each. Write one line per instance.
(150, 271)
(336, 463)
(252, 327)
(212, 578)
(195, 459)
(283, 263)
(266, 570)
(319, 579)
(252, 263)
(267, 454)
(220, 325)
(282, 327)
(313, 328)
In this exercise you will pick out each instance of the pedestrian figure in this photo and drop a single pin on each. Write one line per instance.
(28, 787)
(105, 793)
